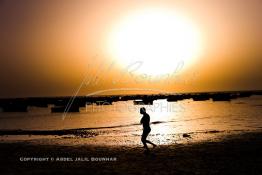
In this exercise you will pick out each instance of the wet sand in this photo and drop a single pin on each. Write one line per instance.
(232, 154)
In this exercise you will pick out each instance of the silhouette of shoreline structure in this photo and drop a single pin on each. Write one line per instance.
(59, 104)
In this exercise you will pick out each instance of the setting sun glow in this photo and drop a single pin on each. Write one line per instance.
(159, 40)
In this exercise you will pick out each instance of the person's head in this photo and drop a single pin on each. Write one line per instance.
(142, 110)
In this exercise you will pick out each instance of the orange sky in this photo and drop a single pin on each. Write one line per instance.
(48, 47)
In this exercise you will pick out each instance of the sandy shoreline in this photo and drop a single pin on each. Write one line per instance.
(234, 154)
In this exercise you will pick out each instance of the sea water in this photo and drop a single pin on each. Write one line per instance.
(119, 122)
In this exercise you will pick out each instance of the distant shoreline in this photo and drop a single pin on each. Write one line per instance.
(109, 95)
(73, 104)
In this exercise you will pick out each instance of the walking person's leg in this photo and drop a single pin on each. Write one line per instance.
(143, 139)
(147, 141)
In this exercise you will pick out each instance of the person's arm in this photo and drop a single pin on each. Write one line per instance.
(142, 120)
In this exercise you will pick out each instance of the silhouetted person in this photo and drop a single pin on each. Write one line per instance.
(145, 120)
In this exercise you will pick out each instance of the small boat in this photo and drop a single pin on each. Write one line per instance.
(142, 102)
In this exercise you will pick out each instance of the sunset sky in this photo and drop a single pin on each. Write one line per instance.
(48, 48)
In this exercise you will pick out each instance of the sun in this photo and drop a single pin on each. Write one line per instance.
(159, 40)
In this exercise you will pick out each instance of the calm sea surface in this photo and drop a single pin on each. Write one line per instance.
(167, 118)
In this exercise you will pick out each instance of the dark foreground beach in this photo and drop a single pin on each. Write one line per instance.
(233, 154)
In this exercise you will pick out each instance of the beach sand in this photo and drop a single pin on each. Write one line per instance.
(232, 154)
